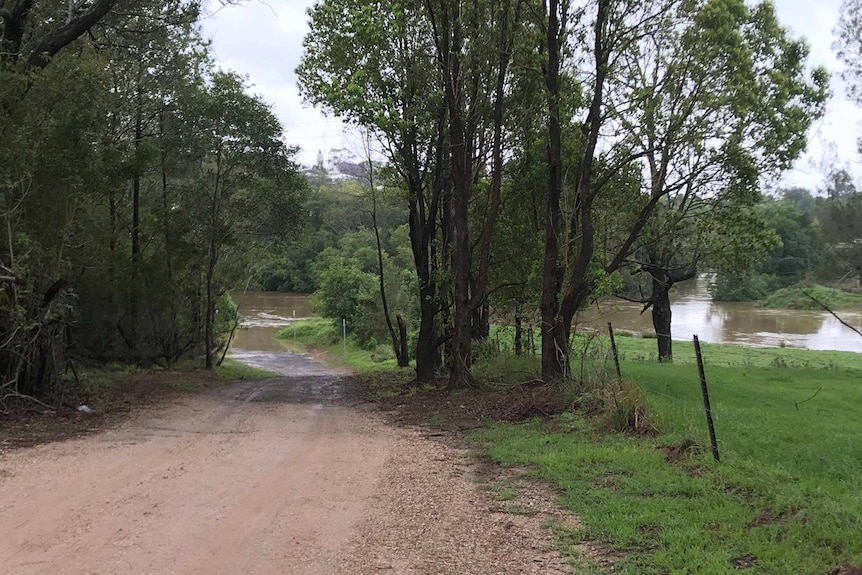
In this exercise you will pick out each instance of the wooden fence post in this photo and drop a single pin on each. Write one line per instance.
(614, 349)
(705, 392)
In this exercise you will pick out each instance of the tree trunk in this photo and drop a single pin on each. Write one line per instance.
(553, 357)
(403, 356)
(481, 326)
(395, 339)
(426, 343)
(173, 338)
(136, 232)
(661, 318)
(422, 228)
(460, 344)
(209, 323)
(556, 323)
(518, 330)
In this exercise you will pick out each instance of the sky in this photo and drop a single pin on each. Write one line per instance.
(262, 40)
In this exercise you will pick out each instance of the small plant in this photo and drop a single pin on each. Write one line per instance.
(625, 409)
(502, 490)
(521, 510)
(437, 421)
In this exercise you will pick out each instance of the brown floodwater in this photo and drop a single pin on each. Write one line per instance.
(266, 313)
(725, 322)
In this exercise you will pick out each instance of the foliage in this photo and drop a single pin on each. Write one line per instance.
(137, 184)
(795, 258)
(348, 289)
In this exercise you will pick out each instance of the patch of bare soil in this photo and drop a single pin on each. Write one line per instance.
(846, 569)
(463, 411)
(27, 424)
(523, 504)
(432, 516)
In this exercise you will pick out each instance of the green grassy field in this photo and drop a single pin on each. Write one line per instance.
(785, 499)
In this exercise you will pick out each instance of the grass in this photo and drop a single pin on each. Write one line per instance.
(786, 497)
(233, 370)
(794, 297)
(644, 349)
(318, 334)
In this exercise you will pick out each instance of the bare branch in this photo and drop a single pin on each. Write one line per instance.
(835, 315)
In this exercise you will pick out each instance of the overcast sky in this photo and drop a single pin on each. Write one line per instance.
(263, 41)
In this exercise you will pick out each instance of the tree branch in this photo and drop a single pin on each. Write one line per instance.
(835, 315)
(68, 33)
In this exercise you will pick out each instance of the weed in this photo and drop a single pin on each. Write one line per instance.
(521, 510)
(503, 490)
(437, 421)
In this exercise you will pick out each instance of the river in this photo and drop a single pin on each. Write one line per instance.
(266, 313)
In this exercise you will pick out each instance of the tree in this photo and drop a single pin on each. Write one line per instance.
(32, 30)
(245, 182)
(726, 238)
(841, 220)
(704, 97)
(463, 66)
(372, 63)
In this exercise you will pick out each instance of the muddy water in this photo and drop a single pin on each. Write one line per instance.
(264, 315)
(737, 323)
(693, 313)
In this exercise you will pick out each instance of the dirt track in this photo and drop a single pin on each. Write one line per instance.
(276, 476)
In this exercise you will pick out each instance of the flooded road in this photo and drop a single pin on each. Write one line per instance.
(264, 315)
(693, 313)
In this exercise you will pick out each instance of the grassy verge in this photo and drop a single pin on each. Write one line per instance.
(318, 334)
(794, 297)
(786, 498)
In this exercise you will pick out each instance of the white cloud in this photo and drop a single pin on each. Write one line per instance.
(264, 42)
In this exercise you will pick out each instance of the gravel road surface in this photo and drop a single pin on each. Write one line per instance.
(275, 476)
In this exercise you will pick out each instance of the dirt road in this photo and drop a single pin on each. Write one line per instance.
(276, 476)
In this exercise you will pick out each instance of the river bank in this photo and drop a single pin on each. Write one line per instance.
(693, 311)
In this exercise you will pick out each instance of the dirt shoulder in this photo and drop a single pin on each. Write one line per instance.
(111, 396)
(282, 475)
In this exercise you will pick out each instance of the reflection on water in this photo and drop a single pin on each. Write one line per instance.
(264, 315)
(739, 323)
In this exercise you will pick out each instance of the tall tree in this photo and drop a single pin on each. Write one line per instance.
(245, 186)
(704, 97)
(373, 64)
